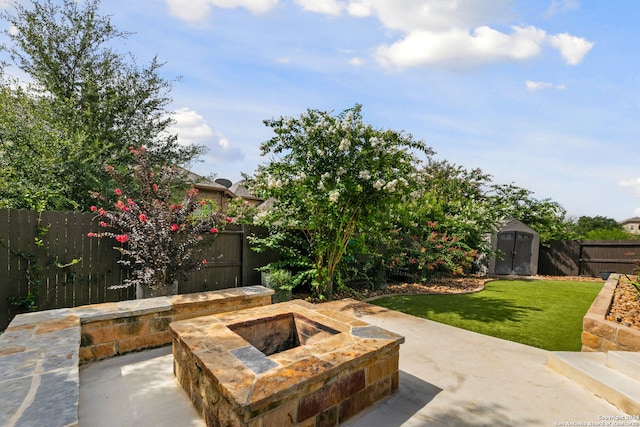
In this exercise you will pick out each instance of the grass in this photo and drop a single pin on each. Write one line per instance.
(542, 313)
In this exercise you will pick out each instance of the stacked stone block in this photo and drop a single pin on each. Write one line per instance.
(40, 352)
(600, 334)
(321, 383)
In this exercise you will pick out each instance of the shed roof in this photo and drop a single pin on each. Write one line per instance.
(516, 225)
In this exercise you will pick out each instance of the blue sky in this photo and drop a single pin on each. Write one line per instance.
(543, 94)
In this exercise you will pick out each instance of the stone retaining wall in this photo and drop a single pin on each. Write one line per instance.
(599, 334)
(40, 352)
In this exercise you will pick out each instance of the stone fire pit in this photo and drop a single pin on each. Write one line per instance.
(292, 363)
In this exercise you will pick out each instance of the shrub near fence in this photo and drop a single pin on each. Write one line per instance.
(589, 257)
(37, 253)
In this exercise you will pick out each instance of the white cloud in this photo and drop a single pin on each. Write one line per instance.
(329, 7)
(573, 49)
(200, 10)
(359, 8)
(192, 128)
(558, 6)
(461, 48)
(531, 85)
(634, 184)
(455, 34)
(441, 33)
(432, 15)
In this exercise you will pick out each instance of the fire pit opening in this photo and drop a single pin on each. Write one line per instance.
(281, 332)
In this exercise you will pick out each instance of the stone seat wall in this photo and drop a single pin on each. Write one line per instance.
(600, 334)
(40, 352)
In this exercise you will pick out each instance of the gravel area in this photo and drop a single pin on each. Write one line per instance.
(625, 308)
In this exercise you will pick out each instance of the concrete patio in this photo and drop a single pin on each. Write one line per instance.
(448, 377)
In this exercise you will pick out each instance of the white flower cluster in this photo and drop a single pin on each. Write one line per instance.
(390, 186)
(365, 174)
(261, 215)
(334, 195)
(344, 145)
(274, 183)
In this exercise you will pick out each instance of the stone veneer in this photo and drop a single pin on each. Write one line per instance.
(600, 334)
(334, 366)
(40, 352)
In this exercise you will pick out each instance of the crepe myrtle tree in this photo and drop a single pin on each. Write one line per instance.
(331, 177)
(158, 236)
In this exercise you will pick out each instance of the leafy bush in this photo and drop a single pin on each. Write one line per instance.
(429, 253)
(332, 178)
(158, 239)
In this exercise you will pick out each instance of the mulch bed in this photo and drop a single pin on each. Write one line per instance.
(448, 285)
(445, 285)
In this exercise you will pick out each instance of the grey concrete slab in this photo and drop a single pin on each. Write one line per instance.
(449, 377)
(455, 377)
(137, 389)
(591, 371)
(627, 362)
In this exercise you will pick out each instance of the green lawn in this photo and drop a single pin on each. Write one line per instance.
(541, 313)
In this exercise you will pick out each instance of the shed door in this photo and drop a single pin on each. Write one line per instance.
(515, 247)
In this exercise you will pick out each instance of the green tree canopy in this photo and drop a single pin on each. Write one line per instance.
(84, 105)
(545, 216)
(333, 178)
(455, 209)
(599, 228)
(587, 224)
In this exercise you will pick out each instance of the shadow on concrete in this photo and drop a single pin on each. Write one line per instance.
(477, 415)
(410, 407)
(412, 396)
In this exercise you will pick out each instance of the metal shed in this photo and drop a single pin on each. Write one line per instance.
(518, 246)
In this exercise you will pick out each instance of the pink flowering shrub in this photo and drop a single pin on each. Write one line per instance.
(428, 252)
(159, 239)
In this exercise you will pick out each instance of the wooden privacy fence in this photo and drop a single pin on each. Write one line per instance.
(49, 256)
(589, 257)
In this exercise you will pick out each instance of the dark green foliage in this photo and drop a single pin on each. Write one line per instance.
(599, 228)
(85, 106)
